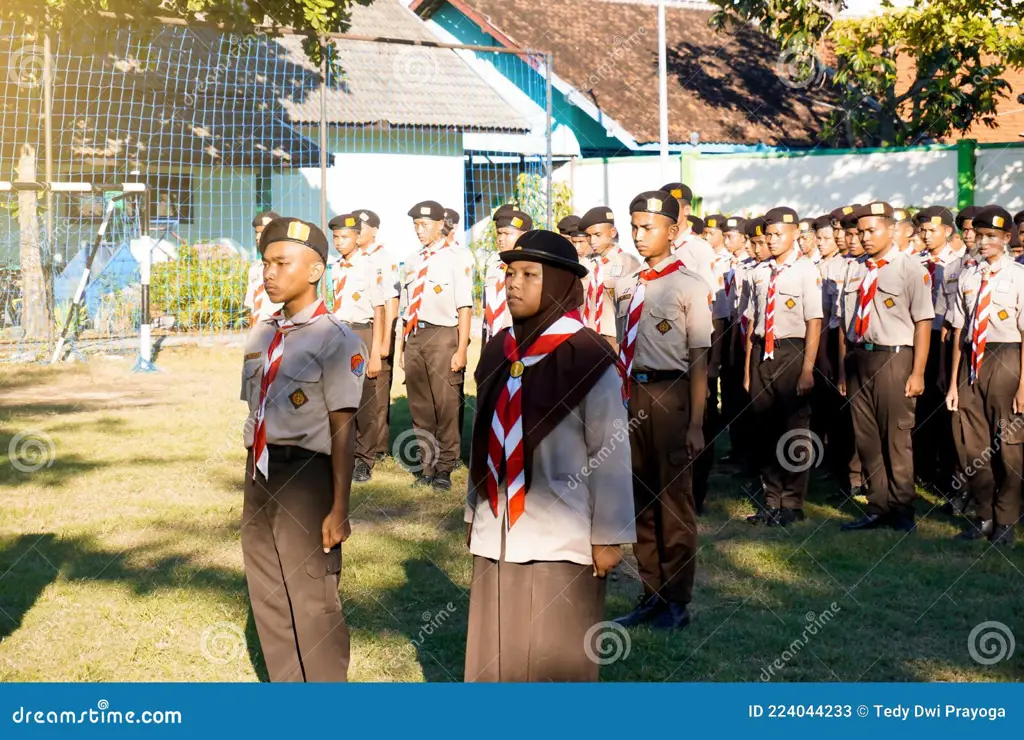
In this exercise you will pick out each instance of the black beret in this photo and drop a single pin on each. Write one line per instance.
(1014, 237)
(876, 208)
(345, 221)
(368, 217)
(714, 221)
(1019, 218)
(515, 219)
(992, 217)
(297, 231)
(427, 209)
(755, 226)
(451, 216)
(262, 219)
(966, 213)
(849, 220)
(806, 224)
(823, 222)
(545, 247)
(696, 224)
(597, 215)
(781, 215)
(733, 223)
(900, 215)
(569, 225)
(934, 215)
(840, 213)
(654, 201)
(679, 191)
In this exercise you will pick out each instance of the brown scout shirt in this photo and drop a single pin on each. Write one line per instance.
(1006, 309)
(322, 370)
(797, 298)
(676, 317)
(902, 299)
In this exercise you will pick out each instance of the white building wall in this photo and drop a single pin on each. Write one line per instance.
(999, 174)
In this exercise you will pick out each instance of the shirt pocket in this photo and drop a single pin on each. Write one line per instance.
(251, 375)
(788, 299)
(438, 287)
(298, 387)
(889, 291)
(665, 317)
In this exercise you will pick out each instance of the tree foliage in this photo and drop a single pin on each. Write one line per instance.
(953, 57)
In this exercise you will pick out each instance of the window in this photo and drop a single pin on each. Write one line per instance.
(170, 198)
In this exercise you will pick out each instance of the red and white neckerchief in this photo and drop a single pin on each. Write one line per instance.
(416, 297)
(271, 364)
(594, 310)
(506, 439)
(495, 303)
(342, 266)
(868, 288)
(373, 249)
(769, 313)
(731, 278)
(979, 337)
(636, 307)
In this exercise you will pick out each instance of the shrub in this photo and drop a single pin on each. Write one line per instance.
(201, 293)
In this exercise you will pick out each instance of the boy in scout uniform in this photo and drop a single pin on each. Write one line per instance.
(734, 397)
(510, 224)
(785, 318)
(693, 251)
(358, 301)
(886, 315)
(385, 270)
(302, 380)
(807, 240)
(608, 264)
(256, 300)
(854, 247)
(986, 389)
(666, 311)
(436, 306)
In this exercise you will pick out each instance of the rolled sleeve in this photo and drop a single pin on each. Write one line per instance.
(812, 295)
(344, 367)
(464, 279)
(613, 520)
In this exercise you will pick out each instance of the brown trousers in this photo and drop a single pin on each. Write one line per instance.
(384, 409)
(883, 419)
(831, 422)
(368, 415)
(666, 520)
(293, 585)
(434, 396)
(783, 421)
(934, 450)
(991, 430)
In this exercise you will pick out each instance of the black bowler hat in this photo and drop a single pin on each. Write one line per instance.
(993, 217)
(1019, 218)
(844, 211)
(427, 209)
(451, 220)
(823, 222)
(714, 221)
(262, 219)
(545, 247)
(297, 231)
(678, 191)
(696, 224)
(368, 217)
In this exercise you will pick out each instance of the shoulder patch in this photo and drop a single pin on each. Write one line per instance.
(357, 364)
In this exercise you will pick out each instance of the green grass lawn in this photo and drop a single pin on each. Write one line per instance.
(120, 560)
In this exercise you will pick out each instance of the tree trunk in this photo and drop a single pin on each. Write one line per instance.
(35, 308)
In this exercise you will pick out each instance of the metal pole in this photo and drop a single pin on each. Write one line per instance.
(324, 47)
(547, 85)
(48, 131)
(663, 88)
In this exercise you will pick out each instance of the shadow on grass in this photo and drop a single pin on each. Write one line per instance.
(401, 420)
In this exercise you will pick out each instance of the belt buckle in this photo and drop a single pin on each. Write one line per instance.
(869, 346)
(641, 377)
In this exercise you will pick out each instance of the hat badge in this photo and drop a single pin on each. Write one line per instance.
(298, 230)
(848, 210)
(676, 193)
(936, 219)
(424, 210)
(608, 214)
(758, 231)
(654, 204)
(787, 218)
(350, 221)
(712, 223)
(997, 221)
(517, 222)
(265, 220)
(363, 216)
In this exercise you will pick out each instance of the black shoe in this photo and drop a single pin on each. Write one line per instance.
(903, 523)
(647, 609)
(764, 516)
(361, 473)
(675, 617)
(868, 521)
(786, 517)
(379, 457)
(424, 480)
(956, 506)
(443, 482)
(976, 530)
(1002, 534)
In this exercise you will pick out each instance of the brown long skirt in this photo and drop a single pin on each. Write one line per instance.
(530, 621)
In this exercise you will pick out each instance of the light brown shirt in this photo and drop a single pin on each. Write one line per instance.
(697, 256)
(902, 299)
(833, 276)
(360, 294)
(322, 370)
(1006, 307)
(494, 270)
(676, 317)
(573, 501)
(797, 298)
(448, 286)
(385, 271)
(722, 267)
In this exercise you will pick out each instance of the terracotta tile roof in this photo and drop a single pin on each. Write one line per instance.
(722, 85)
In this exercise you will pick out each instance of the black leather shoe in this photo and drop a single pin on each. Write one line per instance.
(647, 609)
(443, 482)
(424, 480)
(379, 457)
(675, 617)
(868, 521)
(786, 517)
(976, 530)
(1002, 534)
(764, 516)
(956, 506)
(903, 523)
(361, 472)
